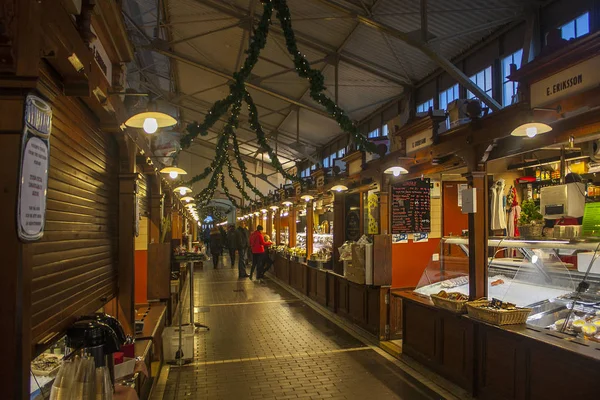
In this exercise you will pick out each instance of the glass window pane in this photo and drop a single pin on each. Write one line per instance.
(517, 58)
(568, 30)
(582, 25)
(385, 130)
(488, 79)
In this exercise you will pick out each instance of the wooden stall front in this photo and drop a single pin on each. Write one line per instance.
(513, 361)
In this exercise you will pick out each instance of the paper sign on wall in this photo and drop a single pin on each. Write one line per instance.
(35, 159)
(461, 187)
(420, 237)
(400, 238)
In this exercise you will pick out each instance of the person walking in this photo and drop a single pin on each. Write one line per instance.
(216, 246)
(258, 243)
(242, 248)
(232, 243)
(248, 252)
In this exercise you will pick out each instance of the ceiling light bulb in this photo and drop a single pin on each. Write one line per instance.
(396, 172)
(182, 191)
(188, 200)
(173, 174)
(531, 131)
(534, 259)
(150, 125)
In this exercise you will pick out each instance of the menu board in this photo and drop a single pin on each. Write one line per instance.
(411, 207)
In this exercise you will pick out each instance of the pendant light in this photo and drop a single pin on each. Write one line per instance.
(339, 188)
(287, 203)
(274, 207)
(396, 171)
(151, 119)
(174, 171)
(531, 129)
(307, 197)
(187, 199)
(183, 190)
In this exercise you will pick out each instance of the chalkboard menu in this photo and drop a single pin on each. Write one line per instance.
(411, 208)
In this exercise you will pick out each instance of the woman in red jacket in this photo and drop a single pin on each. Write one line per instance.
(257, 244)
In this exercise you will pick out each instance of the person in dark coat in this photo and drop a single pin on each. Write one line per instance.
(216, 246)
(242, 248)
(232, 243)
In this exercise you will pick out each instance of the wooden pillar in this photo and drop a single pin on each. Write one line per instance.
(338, 231)
(20, 44)
(127, 199)
(269, 226)
(309, 228)
(384, 212)
(292, 228)
(478, 237)
(277, 216)
(156, 215)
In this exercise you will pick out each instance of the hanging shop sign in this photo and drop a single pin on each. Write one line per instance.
(101, 57)
(35, 160)
(575, 79)
(411, 206)
(373, 212)
(418, 141)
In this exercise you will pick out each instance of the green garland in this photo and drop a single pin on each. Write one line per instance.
(317, 80)
(238, 93)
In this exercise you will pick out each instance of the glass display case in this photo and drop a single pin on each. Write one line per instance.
(558, 279)
(322, 232)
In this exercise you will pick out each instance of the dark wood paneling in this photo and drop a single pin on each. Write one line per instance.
(321, 285)
(498, 365)
(382, 260)
(312, 283)
(74, 264)
(419, 328)
(456, 353)
(159, 271)
(331, 292)
(341, 286)
(374, 308)
(395, 317)
(357, 302)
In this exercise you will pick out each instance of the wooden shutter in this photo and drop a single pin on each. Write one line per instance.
(74, 266)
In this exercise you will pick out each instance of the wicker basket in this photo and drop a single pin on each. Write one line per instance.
(531, 231)
(454, 306)
(497, 317)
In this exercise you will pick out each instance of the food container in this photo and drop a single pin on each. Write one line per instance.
(454, 306)
(497, 317)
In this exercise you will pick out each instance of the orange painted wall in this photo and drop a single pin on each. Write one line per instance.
(141, 276)
(409, 260)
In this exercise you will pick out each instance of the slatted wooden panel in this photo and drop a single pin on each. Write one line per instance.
(74, 265)
(144, 195)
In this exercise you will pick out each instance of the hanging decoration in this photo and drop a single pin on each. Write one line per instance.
(239, 94)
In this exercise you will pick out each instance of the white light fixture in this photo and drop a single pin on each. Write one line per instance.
(287, 203)
(183, 190)
(173, 171)
(274, 208)
(534, 259)
(339, 188)
(531, 129)
(396, 171)
(151, 119)
(187, 199)
(307, 197)
(263, 210)
(257, 213)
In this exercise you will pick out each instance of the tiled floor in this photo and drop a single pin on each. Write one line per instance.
(264, 343)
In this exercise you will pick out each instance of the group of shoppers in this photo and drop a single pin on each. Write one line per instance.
(255, 245)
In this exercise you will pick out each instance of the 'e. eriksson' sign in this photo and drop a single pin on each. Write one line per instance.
(575, 79)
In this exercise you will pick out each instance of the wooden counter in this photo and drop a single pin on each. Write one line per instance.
(439, 339)
(497, 362)
(365, 306)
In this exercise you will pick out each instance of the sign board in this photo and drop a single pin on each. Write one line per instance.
(35, 161)
(411, 206)
(320, 182)
(418, 141)
(580, 77)
(591, 220)
(101, 57)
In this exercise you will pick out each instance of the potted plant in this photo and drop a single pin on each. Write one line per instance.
(531, 221)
